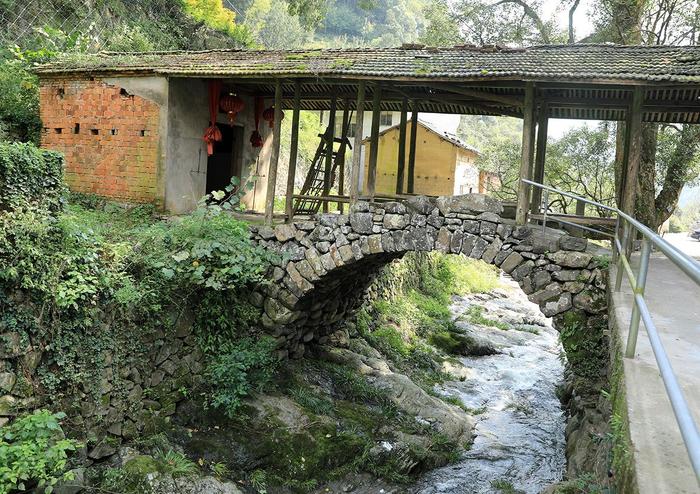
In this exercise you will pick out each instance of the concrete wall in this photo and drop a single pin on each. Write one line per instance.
(188, 118)
(466, 173)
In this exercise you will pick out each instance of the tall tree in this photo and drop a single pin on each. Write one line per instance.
(661, 176)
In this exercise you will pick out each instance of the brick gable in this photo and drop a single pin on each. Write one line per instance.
(109, 137)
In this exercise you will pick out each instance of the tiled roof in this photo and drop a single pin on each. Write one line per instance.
(583, 62)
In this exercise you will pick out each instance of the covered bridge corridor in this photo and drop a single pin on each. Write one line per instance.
(332, 257)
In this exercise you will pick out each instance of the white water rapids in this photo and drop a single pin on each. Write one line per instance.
(519, 436)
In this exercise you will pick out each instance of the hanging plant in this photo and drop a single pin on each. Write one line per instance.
(232, 105)
(269, 116)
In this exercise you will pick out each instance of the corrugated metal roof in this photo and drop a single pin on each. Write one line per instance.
(583, 62)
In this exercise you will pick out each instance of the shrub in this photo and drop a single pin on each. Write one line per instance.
(33, 452)
(240, 368)
(203, 249)
(19, 101)
(30, 175)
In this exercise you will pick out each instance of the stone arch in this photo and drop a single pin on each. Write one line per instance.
(329, 262)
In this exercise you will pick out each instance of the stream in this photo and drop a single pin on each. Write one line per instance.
(519, 444)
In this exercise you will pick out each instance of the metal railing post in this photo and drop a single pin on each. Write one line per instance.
(638, 290)
(615, 239)
(545, 207)
(622, 253)
(627, 229)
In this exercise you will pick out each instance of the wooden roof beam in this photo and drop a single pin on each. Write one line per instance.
(483, 96)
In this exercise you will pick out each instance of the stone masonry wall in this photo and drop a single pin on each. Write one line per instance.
(110, 138)
(328, 263)
(134, 386)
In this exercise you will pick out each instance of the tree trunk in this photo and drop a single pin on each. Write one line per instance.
(645, 209)
(677, 173)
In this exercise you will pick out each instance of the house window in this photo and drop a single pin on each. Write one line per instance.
(386, 118)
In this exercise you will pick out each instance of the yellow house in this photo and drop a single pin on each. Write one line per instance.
(444, 164)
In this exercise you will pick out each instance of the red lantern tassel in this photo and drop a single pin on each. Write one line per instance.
(212, 133)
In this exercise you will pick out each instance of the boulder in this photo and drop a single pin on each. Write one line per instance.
(592, 301)
(7, 406)
(511, 262)
(285, 232)
(406, 395)
(442, 243)
(394, 207)
(420, 204)
(552, 308)
(570, 259)
(395, 221)
(7, 381)
(551, 291)
(469, 204)
(362, 222)
(567, 242)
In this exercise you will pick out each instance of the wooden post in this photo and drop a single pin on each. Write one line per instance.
(526, 154)
(341, 162)
(633, 136)
(543, 121)
(274, 156)
(374, 142)
(293, 152)
(330, 136)
(412, 148)
(357, 148)
(401, 160)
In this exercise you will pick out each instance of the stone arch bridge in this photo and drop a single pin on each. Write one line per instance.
(329, 262)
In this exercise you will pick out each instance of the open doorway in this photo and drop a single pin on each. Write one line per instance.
(226, 160)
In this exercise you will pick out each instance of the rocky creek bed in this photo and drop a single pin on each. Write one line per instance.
(429, 389)
(519, 443)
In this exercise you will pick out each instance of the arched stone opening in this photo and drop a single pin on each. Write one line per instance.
(328, 263)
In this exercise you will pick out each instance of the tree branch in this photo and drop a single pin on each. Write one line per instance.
(532, 14)
(572, 11)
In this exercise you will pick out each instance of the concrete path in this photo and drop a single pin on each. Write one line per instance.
(662, 463)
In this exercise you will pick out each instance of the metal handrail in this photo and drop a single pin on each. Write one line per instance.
(640, 310)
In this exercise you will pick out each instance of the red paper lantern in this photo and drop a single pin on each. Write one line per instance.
(256, 139)
(232, 105)
(269, 116)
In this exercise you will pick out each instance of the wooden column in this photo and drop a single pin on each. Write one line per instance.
(374, 142)
(293, 152)
(274, 156)
(633, 145)
(330, 136)
(412, 148)
(526, 154)
(401, 159)
(343, 146)
(357, 148)
(542, 123)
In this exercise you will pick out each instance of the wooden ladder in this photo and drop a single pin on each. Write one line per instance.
(315, 179)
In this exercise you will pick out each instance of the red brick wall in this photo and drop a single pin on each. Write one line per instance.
(109, 138)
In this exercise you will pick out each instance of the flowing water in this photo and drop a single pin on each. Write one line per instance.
(519, 436)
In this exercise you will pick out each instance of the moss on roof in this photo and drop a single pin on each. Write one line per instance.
(582, 62)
